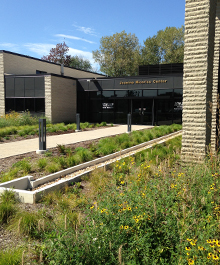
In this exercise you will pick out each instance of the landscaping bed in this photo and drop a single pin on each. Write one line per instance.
(67, 208)
(63, 157)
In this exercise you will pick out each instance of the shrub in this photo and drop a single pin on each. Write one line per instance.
(11, 256)
(42, 163)
(61, 149)
(83, 155)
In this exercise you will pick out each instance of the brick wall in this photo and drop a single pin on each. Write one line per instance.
(198, 77)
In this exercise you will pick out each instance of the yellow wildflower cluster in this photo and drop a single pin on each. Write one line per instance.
(215, 245)
(173, 186)
(124, 227)
(104, 211)
(11, 116)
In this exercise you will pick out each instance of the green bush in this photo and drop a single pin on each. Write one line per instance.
(11, 256)
(42, 163)
(83, 155)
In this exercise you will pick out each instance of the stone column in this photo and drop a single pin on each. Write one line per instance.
(2, 85)
(48, 97)
(216, 88)
(198, 77)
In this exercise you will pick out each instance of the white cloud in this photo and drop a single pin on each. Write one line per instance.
(85, 30)
(9, 46)
(39, 48)
(73, 38)
(85, 55)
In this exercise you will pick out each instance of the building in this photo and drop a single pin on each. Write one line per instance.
(27, 83)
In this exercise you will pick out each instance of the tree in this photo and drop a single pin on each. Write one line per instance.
(165, 47)
(80, 63)
(59, 54)
(118, 55)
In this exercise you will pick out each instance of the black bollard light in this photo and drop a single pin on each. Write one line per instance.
(78, 122)
(42, 136)
(129, 123)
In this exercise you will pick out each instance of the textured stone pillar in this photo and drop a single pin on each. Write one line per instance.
(2, 86)
(198, 77)
(48, 97)
(215, 88)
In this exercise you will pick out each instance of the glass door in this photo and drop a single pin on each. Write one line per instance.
(148, 111)
(136, 111)
(142, 111)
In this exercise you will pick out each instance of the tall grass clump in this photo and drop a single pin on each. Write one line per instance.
(18, 169)
(7, 206)
(83, 155)
(11, 256)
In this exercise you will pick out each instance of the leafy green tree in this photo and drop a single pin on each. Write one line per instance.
(165, 47)
(80, 63)
(118, 55)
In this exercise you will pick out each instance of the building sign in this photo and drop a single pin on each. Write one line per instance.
(178, 106)
(108, 105)
(144, 82)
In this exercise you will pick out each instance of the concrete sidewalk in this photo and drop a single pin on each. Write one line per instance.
(26, 146)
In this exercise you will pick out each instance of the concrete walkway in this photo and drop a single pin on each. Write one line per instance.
(26, 146)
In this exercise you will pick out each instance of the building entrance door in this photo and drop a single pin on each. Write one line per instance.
(142, 111)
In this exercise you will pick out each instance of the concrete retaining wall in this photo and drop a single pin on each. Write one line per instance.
(21, 184)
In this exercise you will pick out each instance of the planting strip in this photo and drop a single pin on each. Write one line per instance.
(30, 191)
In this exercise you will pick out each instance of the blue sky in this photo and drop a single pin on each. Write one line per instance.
(34, 27)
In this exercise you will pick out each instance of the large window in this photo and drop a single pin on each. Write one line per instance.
(25, 93)
(19, 87)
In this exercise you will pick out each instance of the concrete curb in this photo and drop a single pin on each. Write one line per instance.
(22, 186)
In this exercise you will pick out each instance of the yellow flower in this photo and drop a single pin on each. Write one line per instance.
(126, 227)
(193, 243)
(187, 248)
(215, 257)
(121, 227)
(129, 208)
(92, 207)
(200, 248)
(190, 261)
(136, 220)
